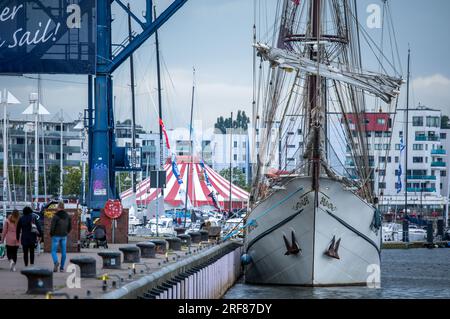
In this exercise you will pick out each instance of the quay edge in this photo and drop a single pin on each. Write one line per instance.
(141, 286)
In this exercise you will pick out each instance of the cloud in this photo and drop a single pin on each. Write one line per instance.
(214, 96)
(432, 91)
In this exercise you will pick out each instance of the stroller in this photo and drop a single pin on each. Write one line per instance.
(99, 236)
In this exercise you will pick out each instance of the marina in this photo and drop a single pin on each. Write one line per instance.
(146, 155)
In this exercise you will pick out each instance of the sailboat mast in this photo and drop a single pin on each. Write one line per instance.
(133, 100)
(161, 145)
(190, 148)
(406, 133)
(61, 158)
(5, 153)
(158, 70)
(314, 97)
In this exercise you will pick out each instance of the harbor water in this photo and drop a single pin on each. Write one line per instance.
(405, 274)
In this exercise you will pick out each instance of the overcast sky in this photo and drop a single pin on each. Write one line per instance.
(215, 36)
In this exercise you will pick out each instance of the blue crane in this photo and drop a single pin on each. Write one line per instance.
(105, 157)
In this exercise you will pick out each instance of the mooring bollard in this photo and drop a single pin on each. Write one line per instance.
(195, 237)
(130, 254)
(87, 266)
(174, 243)
(161, 245)
(185, 239)
(40, 280)
(148, 249)
(111, 259)
(204, 235)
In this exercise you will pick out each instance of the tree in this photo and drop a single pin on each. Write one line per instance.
(238, 178)
(53, 180)
(241, 121)
(72, 182)
(444, 122)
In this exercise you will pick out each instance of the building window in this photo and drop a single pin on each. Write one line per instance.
(235, 157)
(397, 159)
(443, 173)
(291, 146)
(382, 172)
(290, 133)
(386, 147)
(382, 185)
(369, 134)
(244, 144)
(397, 172)
(433, 121)
(378, 147)
(418, 147)
(382, 159)
(299, 132)
(389, 159)
(244, 157)
(381, 121)
(235, 144)
(398, 185)
(378, 134)
(417, 120)
(387, 134)
(417, 159)
(397, 147)
(443, 136)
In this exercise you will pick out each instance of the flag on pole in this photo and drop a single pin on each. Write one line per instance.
(202, 164)
(215, 201)
(163, 127)
(398, 186)
(175, 170)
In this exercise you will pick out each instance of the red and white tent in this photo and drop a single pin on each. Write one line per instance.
(198, 190)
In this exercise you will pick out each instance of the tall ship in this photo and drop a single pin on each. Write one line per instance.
(317, 223)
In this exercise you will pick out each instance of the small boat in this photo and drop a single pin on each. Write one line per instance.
(393, 232)
(165, 227)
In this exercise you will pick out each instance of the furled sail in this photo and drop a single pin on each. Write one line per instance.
(383, 86)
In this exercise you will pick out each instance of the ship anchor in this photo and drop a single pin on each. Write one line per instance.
(333, 249)
(293, 249)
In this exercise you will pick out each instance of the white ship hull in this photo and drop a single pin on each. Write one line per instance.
(339, 214)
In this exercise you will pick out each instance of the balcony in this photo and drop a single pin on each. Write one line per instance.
(423, 138)
(422, 177)
(438, 164)
(422, 190)
(438, 152)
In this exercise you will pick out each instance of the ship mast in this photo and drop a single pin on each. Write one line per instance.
(314, 97)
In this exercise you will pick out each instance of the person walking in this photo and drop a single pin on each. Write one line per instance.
(10, 238)
(28, 231)
(60, 227)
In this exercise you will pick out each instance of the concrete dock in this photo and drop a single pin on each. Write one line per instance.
(126, 282)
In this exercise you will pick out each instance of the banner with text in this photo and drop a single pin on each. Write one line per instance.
(47, 36)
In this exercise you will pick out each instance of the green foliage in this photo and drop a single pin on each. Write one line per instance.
(53, 180)
(238, 177)
(445, 122)
(72, 181)
(123, 181)
(241, 121)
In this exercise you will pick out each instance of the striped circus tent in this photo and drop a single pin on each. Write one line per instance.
(198, 191)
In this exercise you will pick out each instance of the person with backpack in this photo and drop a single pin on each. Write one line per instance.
(10, 238)
(28, 231)
(60, 227)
